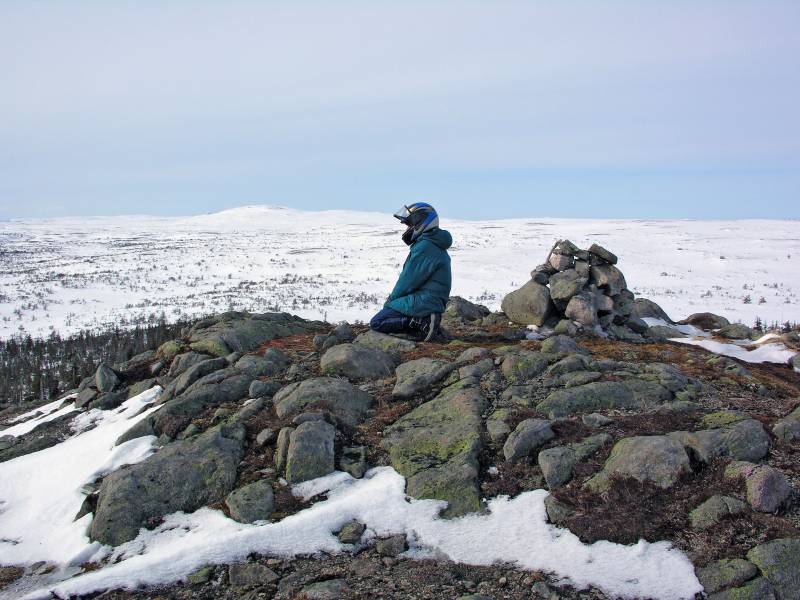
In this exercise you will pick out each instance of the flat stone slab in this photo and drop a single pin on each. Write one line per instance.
(416, 376)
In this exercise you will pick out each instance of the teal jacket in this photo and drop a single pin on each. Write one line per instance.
(424, 284)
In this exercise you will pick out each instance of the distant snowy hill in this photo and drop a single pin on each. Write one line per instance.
(74, 273)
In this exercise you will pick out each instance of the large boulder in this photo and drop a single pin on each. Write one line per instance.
(310, 453)
(601, 253)
(244, 332)
(656, 459)
(436, 448)
(600, 395)
(340, 398)
(106, 380)
(529, 305)
(416, 376)
(182, 476)
(355, 361)
(736, 331)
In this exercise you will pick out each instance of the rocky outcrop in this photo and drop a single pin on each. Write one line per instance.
(244, 332)
(182, 476)
(436, 448)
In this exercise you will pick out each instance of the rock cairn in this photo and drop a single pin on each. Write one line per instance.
(574, 289)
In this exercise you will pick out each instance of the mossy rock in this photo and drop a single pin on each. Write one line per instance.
(722, 418)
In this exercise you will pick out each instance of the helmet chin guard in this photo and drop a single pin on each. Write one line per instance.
(419, 218)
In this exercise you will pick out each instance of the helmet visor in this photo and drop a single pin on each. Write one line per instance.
(402, 214)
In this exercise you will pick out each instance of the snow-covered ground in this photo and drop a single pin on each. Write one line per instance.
(36, 524)
(74, 273)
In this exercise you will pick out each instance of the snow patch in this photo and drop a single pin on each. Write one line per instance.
(513, 531)
(40, 493)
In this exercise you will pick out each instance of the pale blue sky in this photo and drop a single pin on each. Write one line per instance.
(486, 109)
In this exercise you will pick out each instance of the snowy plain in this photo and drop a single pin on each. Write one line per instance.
(70, 274)
(36, 524)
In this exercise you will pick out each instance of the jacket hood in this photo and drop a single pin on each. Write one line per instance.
(440, 237)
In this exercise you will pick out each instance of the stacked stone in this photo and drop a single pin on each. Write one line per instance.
(582, 287)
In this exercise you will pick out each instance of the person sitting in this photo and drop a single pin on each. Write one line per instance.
(420, 295)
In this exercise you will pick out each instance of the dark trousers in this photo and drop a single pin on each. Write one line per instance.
(389, 320)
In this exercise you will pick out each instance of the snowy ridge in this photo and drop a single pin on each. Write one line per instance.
(77, 273)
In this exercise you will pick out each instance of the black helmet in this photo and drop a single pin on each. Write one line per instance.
(419, 217)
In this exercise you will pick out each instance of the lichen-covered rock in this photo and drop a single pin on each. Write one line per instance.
(351, 532)
(562, 344)
(603, 395)
(252, 502)
(416, 376)
(767, 488)
(341, 334)
(251, 575)
(436, 447)
(192, 374)
(557, 463)
(728, 572)
(272, 362)
(310, 453)
(528, 435)
(388, 343)
(354, 461)
(757, 589)
(219, 387)
(652, 459)
(168, 350)
(788, 428)
(340, 398)
(713, 510)
(355, 361)
(742, 440)
(565, 285)
(182, 476)
(529, 305)
(779, 562)
(523, 365)
(557, 511)
(477, 370)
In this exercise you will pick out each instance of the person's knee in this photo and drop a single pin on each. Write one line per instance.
(375, 322)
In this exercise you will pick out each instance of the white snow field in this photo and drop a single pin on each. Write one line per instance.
(40, 494)
(75, 273)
